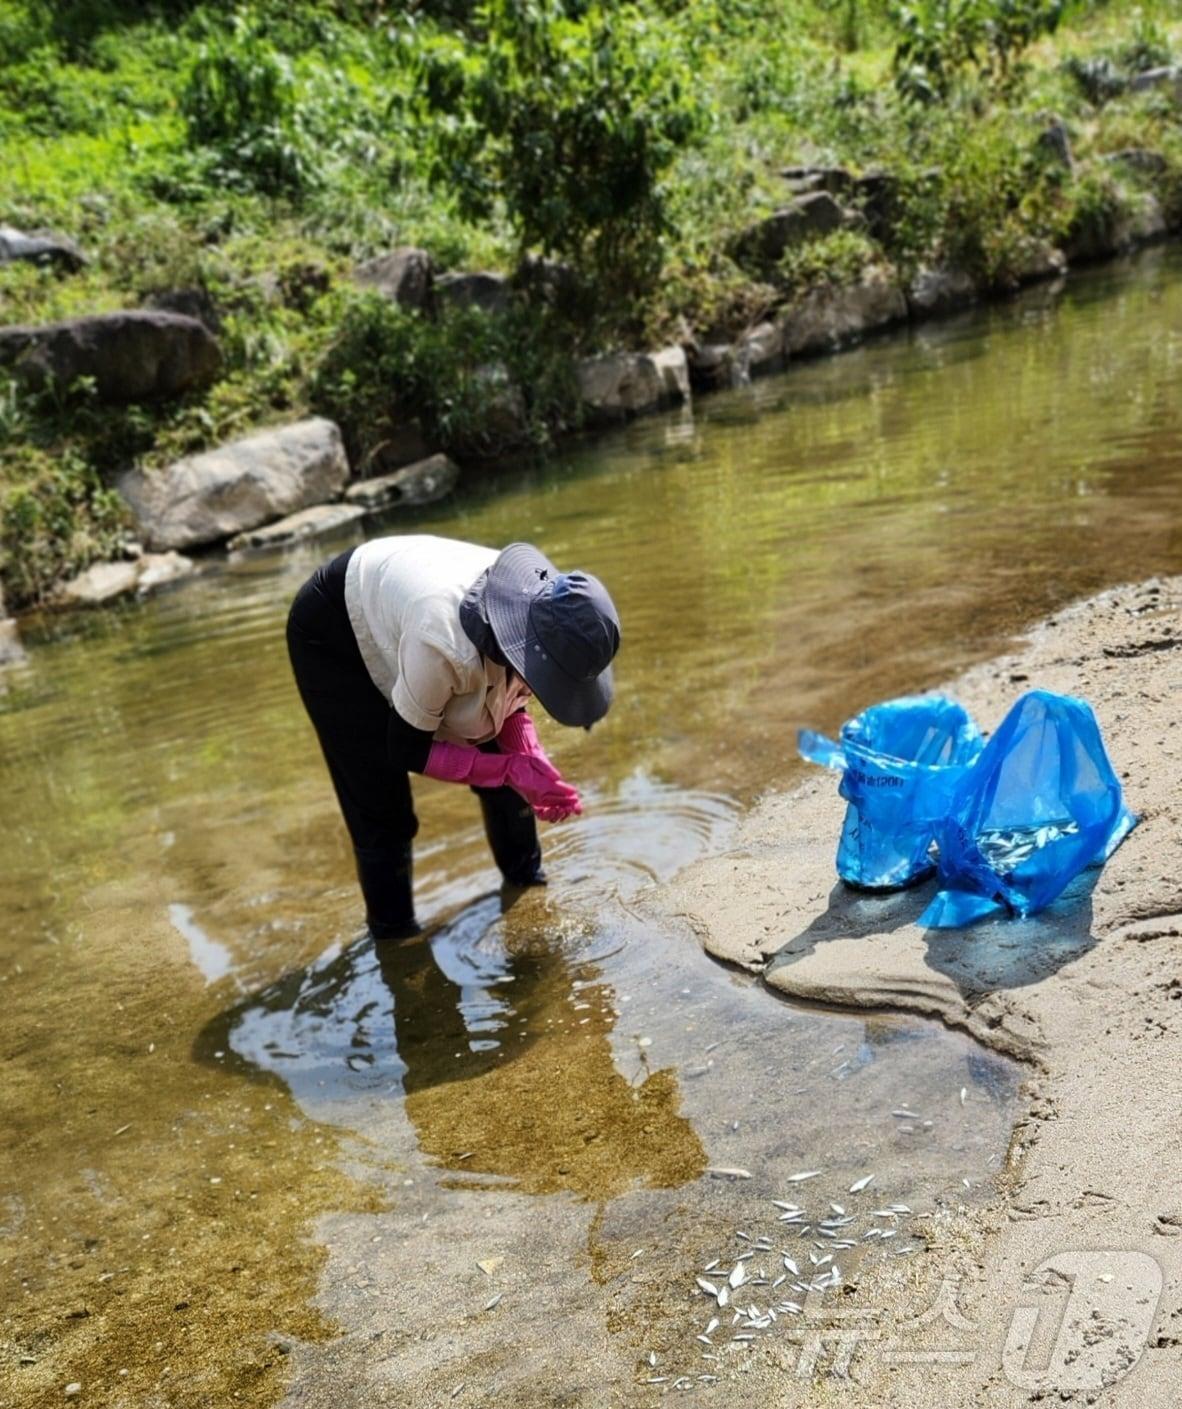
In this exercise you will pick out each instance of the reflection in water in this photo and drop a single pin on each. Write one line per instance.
(496, 1038)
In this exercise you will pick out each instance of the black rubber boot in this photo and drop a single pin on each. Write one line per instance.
(387, 885)
(512, 832)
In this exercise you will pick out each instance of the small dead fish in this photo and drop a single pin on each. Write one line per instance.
(459, 1389)
(791, 1266)
(788, 1207)
(638, 1253)
(783, 1277)
(804, 1174)
(900, 1208)
(884, 1213)
(710, 1266)
(904, 1114)
(837, 1208)
(738, 1276)
(656, 1379)
(724, 1295)
(705, 1340)
(651, 1357)
(743, 1336)
(740, 1234)
(964, 1094)
(859, 1184)
(493, 1301)
(826, 1232)
(721, 1171)
(712, 1325)
(708, 1287)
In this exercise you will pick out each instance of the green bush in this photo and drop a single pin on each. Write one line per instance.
(55, 518)
(837, 258)
(240, 102)
(478, 383)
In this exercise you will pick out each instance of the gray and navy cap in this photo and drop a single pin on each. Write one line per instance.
(559, 630)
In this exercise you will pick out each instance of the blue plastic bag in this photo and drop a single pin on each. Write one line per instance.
(900, 763)
(1039, 806)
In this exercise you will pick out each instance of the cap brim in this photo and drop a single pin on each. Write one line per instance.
(514, 582)
(570, 701)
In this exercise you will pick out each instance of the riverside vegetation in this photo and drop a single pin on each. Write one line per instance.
(613, 165)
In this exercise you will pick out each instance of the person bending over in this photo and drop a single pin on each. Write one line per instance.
(417, 654)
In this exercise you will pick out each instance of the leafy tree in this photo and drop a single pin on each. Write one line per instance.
(567, 115)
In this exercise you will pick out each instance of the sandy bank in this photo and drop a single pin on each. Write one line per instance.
(1087, 1232)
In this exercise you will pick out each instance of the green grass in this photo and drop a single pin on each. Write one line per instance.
(260, 163)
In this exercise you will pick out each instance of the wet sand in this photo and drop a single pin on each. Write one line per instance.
(1086, 1231)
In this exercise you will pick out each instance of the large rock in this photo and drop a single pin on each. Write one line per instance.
(834, 179)
(1039, 260)
(405, 276)
(210, 497)
(761, 349)
(422, 483)
(490, 293)
(714, 363)
(308, 523)
(805, 218)
(829, 316)
(140, 355)
(673, 369)
(617, 385)
(40, 247)
(941, 289)
(11, 650)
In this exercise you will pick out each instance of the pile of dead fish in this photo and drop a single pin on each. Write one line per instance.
(748, 1293)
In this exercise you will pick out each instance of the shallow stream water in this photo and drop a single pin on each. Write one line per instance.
(237, 1140)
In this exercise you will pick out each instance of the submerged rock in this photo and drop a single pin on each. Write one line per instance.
(209, 497)
(40, 247)
(405, 276)
(307, 523)
(139, 355)
(829, 316)
(421, 483)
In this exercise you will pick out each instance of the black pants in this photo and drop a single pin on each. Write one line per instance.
(351, 720)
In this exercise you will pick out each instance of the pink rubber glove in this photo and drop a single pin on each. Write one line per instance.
(537, 780)
(518, 735)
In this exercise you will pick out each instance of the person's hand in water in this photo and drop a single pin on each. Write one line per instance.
(519, 736)
(536, 779)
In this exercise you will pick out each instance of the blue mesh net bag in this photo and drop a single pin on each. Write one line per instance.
(1040, 805)
(900, 763)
